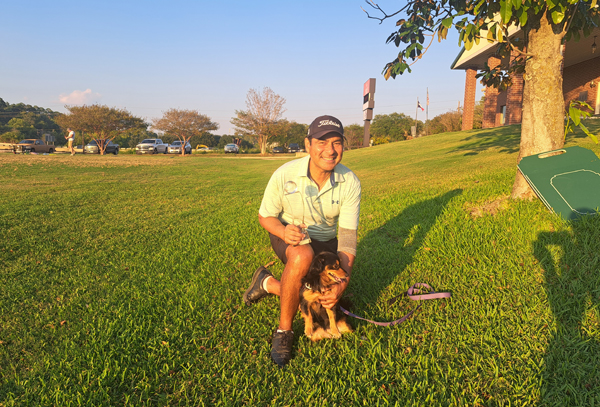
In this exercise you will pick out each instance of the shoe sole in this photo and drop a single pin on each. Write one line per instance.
(254, 278)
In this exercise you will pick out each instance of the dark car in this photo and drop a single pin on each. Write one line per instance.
(278, 150)
(294, 148)
(93, 148)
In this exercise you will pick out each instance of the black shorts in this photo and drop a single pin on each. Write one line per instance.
(279, 246)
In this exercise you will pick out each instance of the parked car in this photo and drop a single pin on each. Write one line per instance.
(93, 148)
(232, 148)
(278, 150)
(151, 146)
(32, 146)
(294, 148)
(175, 147)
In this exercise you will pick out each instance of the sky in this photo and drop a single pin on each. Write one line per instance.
(149, 56)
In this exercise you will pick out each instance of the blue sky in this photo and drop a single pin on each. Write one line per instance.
(149, 56)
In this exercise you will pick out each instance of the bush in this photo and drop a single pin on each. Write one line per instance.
(11, 137)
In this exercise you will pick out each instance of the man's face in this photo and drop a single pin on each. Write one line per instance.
(325, 153)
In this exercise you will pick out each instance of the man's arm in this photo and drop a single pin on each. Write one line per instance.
(330, 298)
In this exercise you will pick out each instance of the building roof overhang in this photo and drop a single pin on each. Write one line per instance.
(477, 56)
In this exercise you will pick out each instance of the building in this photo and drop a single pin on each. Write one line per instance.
(581, 74)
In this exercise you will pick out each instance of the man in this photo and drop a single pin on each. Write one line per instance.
(70, 138)
(327, 197)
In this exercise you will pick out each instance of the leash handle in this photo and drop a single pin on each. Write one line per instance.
(413, 294)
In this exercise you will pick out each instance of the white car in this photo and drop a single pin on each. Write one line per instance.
(151, 146)
(232, 148)
(175, 147)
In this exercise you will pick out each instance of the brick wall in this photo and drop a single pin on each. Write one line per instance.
(577, 79)
(514, 98)
(469, 105)
(490, 107)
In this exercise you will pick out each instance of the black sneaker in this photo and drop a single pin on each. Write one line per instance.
(281, 347)
(255, 292)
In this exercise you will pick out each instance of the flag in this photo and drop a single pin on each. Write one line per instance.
(419, 106)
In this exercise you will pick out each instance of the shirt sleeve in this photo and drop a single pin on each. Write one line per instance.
(272, 205)
(350, 206)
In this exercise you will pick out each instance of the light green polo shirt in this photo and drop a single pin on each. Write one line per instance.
(337, 204)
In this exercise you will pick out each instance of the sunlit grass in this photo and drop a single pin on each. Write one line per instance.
(121, 282)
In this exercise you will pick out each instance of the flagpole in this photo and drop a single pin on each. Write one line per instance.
(427, 113)
(416, 113)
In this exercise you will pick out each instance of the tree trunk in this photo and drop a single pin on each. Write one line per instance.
(542, 127)
(262, 140)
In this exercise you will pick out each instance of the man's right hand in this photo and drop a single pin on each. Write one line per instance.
(293, 234)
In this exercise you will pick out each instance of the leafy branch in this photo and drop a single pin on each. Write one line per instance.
(574, 115)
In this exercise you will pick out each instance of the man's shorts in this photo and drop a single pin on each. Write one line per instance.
(279, 246)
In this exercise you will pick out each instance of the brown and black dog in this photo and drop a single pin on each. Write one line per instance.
(320, 322)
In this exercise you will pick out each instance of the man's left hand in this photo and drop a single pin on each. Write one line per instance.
(331, 297)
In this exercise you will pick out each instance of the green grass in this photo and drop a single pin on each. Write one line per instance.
(121, 282)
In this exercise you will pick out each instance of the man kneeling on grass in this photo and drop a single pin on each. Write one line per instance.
(319, 194)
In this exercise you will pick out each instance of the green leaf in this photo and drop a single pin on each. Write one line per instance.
(490, 36)
(589, 134)
(442, 33)
(575, 115)
(505, 11)
(447, 22)
(523, 18)
(558, 16)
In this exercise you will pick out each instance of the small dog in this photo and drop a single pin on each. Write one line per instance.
(320, 322)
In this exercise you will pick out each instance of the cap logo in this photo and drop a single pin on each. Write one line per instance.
(328, 123)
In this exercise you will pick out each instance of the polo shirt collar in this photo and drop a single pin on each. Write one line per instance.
(335, 177)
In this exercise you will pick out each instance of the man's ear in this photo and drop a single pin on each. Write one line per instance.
(306, 144)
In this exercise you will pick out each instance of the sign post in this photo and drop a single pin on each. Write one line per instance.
(368, 105)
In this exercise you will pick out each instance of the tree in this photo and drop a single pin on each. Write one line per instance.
(354, 134)
(184, 124)
(25, 121)
(478, 113)
(393, 127)
(297, 133)
(261, 119)
(102, 122)
(208, 139)
(287, 132)
(544, 23)
(446, 122)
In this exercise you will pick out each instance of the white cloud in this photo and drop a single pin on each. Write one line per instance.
(78, 97)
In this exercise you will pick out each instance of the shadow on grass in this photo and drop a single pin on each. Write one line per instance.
(505, 139)
(385, 252)
(570, 261)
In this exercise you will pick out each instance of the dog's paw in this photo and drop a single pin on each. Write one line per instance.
(335, 335)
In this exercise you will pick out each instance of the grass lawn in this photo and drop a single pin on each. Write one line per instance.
(121, 280)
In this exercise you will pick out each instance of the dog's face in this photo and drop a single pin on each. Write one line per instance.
(331, 273)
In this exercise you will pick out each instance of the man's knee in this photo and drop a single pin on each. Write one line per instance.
(299, 258)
